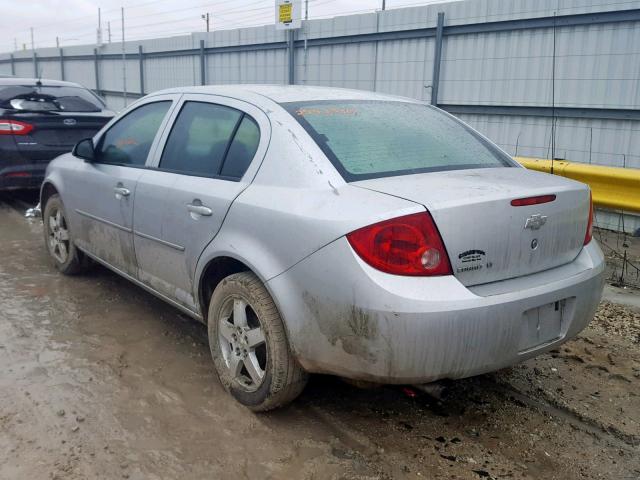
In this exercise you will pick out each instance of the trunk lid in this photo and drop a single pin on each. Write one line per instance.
(56, 133)
(487, 238)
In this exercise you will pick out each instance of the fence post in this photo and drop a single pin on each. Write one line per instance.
(203, 78)
(436, 60)
(13, 65)
(61, 65)
(96, 67)
(141, 66)
(291, 63)
(35, 65)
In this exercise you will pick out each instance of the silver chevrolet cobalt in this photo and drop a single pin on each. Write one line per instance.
(321, 230)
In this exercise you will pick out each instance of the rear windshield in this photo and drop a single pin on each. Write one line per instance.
(48, 99)
(371, 139)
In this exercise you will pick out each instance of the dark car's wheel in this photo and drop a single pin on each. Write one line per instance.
(249, 345)
(57, 238)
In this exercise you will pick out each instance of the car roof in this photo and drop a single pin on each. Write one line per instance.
(33, 81)
(286, 93)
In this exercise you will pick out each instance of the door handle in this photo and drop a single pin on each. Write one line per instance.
(121, 192)
(199, 209)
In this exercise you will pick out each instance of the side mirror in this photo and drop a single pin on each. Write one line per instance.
(84, 149)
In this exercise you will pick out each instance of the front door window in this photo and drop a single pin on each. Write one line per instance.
(129, 140)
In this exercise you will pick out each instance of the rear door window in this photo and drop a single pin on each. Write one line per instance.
(242, 150)
(370, 139)
(210, 140)
(129, 140)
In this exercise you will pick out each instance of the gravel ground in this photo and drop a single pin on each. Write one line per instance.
(618, 320)
(101, 380)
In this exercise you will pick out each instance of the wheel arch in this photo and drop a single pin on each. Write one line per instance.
(217, 268)
(46, 191)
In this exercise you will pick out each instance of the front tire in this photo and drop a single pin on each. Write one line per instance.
(57, 239)
(249, 345)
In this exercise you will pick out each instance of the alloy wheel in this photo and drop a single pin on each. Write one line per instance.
(242, 343)
(58, 235)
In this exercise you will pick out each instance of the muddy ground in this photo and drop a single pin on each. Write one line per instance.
(99, 379)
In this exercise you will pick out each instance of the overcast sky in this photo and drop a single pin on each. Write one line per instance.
(76, 21)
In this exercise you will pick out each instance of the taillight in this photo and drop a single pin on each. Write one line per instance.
(589, 234)
(14, 127)
(409, 245)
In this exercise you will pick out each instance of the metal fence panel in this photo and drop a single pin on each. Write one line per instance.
(405, 68)
(599, 66)
(503, 68)
(170, 72)
(24, 69)
(50, 69)
(80, 71)
(595, 66)
(111, 75)
(265, 66)
(614, 143)
(115, 102)
(346, 66)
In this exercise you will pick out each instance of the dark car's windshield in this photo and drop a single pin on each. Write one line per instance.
(48, 99)
(371, 139)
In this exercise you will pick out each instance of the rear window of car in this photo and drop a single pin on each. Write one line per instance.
(34, 98)
(372, 139)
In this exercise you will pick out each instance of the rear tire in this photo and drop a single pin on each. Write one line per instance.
(58, 241)
(249, 345)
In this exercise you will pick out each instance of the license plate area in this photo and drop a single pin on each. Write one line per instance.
(542, 325)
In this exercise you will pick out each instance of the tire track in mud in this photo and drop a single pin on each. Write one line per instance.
(565, 413)
(410, 427)
(508, 392)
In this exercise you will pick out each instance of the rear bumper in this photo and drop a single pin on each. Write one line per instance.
(22, 176)
(347, 319)
(23, 169)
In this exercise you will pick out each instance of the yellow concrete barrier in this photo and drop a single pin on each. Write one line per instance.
(614, 188)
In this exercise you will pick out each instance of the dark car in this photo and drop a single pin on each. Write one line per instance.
(39, 120)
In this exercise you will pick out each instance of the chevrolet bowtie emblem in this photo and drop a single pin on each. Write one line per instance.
(534, 222)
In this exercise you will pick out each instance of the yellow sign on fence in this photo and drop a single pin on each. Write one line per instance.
(288, 14)
(285, 13)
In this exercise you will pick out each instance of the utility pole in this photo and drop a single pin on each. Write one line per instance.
(553, 97)
(124, 61)
(306, 9)
(205, 17)
(384, 4)
(109, 31)
(33, 45)
(99, 31)
(57, 42)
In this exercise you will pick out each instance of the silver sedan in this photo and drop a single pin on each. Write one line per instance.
(319, 230)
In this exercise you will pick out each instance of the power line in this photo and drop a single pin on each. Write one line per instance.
(90, 31)
(262, 18)
(57, 24)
